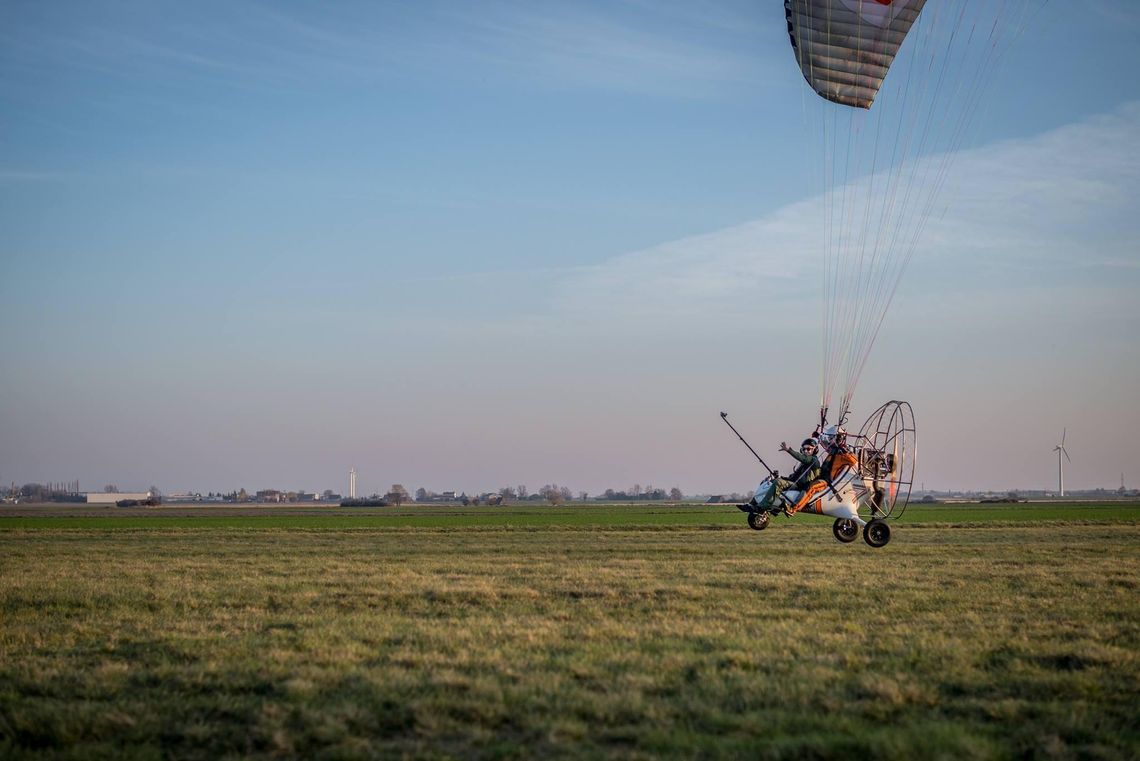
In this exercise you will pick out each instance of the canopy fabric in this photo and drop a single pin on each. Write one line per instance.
(845, 47)
(883, 169)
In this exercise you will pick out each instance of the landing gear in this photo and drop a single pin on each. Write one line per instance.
(759, 521)
(845, 530)
(876, 533)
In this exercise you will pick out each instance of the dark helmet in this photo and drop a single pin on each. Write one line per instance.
(809, 444)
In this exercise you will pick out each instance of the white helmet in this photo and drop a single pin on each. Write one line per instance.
(833, 433)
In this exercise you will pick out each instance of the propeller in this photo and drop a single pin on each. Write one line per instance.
(1061, 447)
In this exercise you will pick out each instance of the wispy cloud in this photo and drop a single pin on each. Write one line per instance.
(20, 175)
(612, 46)
(1061, 200)
(603, 47)
(1117, 11)
(692, 274)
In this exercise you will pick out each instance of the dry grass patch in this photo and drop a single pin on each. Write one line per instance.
(979, 643)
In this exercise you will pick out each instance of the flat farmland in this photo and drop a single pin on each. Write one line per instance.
(1004, 632)
(660, 515)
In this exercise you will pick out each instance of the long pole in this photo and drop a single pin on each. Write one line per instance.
(724, 417)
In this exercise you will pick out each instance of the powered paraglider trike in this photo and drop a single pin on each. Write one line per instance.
(864, 495)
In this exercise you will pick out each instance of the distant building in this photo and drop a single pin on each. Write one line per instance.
(447, 496)
(111, 497)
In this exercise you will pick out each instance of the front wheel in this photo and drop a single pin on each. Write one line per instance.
(759, 521)
(877, 533)
(845, 530)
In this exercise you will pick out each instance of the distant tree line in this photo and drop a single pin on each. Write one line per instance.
(648, 494)
(50, 492)
(397, 495)
(550, 493)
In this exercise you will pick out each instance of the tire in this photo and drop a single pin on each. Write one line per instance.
(759, 521)
(877, 533)
(845, 530)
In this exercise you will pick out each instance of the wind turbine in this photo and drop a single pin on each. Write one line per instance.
(1060, 450)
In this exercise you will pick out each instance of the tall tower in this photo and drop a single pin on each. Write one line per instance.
(352, 483)
(1060, 450)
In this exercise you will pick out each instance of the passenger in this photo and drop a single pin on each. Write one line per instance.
(807, 471)
(839, 459)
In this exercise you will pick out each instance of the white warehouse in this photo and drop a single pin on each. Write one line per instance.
(111, 497)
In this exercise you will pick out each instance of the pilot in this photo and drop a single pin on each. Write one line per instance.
(839, 459)
(807, 471)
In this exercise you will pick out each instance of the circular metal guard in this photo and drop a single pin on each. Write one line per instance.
(887, 447)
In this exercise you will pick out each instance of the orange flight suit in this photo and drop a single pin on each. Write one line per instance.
(836, 464)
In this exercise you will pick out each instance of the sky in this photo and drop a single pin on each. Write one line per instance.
(464, 245)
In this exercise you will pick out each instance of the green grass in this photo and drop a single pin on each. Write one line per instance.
(522, 516)
(1008, 639)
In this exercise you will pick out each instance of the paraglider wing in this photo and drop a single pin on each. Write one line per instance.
(883, 167)
(845, 47)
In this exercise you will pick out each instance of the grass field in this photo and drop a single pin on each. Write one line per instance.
(662, 515)
(998, 632)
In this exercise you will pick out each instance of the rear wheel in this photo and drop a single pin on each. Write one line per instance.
(877, 533)
(759, 521)
(845, 530)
